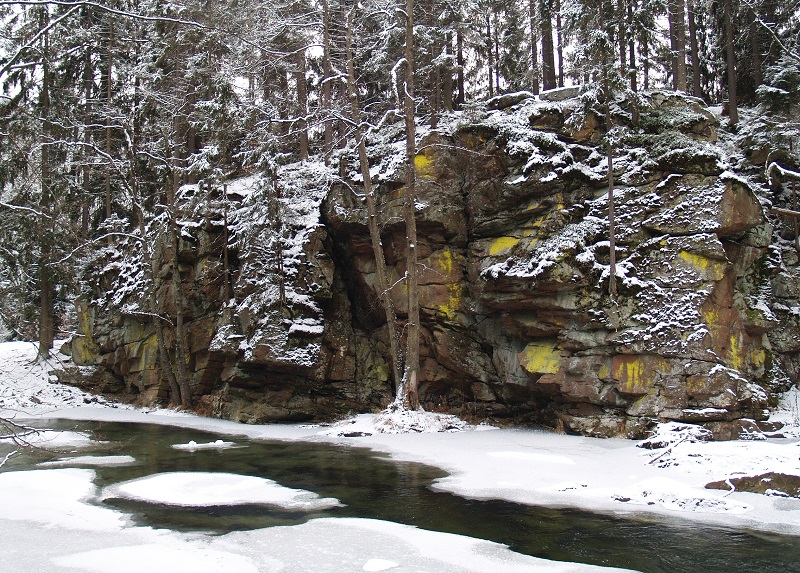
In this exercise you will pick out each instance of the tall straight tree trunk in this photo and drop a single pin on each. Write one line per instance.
(560, 44)
(612, 228)
(151, 261)
(460, 98)
(411, 374)
(46, 287)
(631, 49)
(755, 48)
(87, 140)
(677, 27)
(731, 62)
(327, 87)
(181, 368)
(606, 82)
(496, 42)
(109, 81)
(644, 56)
(372, 214)
(622, 37)
(302, 102)
(548, 54)
(534, 39)
(436, 91)
(697, 90)
(490, 50)
(447, 77)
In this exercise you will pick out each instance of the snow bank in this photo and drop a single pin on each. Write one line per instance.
(55, 499)
(158, 558)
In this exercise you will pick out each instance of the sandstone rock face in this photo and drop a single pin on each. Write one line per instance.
(514, 254)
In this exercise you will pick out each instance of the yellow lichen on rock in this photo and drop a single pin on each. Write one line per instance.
(635, 374)
(541, 358)
(424, 166)
(712, 269)
(501, 244)
(453, 302)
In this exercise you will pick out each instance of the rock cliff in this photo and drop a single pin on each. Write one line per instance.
(514, 249)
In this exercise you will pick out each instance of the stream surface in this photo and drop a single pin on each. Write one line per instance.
(374, 487)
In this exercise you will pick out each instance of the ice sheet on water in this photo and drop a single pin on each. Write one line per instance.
(200, 489)
(91, 461)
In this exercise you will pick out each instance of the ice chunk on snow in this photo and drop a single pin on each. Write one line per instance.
(199, 489)
(193, 446)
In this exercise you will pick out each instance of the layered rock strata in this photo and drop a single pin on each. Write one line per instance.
(514, 252)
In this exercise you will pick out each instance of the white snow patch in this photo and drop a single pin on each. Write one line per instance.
(54, 498)
(397, 420)
(532, 457)
(159, 558)
(199, 489)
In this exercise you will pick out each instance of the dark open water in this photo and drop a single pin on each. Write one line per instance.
(377, 488)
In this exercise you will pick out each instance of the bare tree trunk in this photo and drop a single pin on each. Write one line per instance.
(372, 214)
(327, 73)
(277, 220)
(302, 102)
(731, 62)
(447, 78)
(181, 372)
(644, 56)
(755, 49)
(180, 306)
(631, 49)
(436, 92)
(560, 45)
(411, 397)
(548, 55)
(46, 287)
(460, 63)
(612, 229)
(496, 50)
(226, 264)
(154, 264)
(87, 139)
(622, 38)
(109, 72)
(490, 50)
(677, 19)
(695, 51)
(534, 39)
(151, 261)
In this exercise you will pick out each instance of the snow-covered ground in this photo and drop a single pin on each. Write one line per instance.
(45, 516)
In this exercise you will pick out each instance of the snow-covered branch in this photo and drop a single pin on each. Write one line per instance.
(773, 167)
